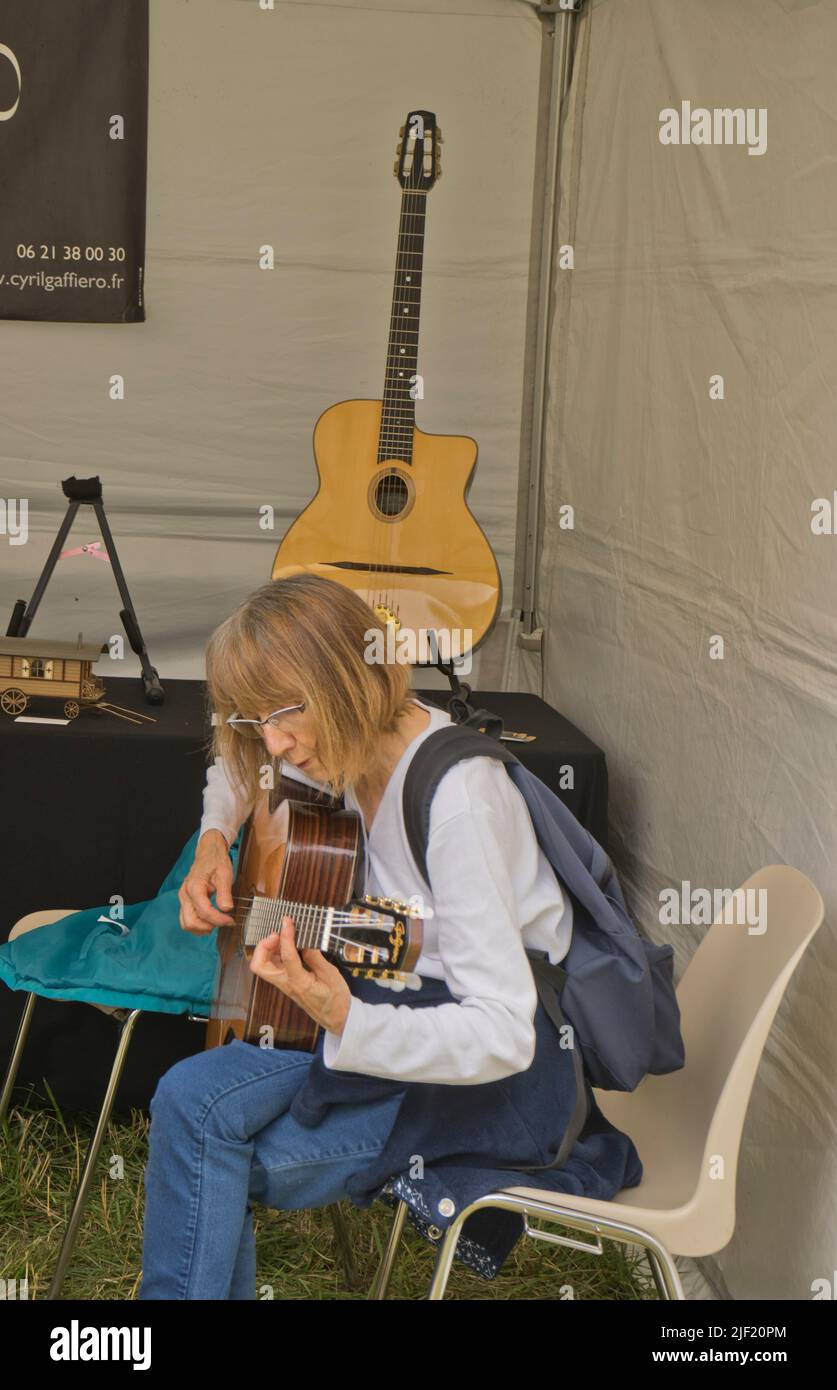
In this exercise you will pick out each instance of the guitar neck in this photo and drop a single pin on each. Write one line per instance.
(314, 924)
(398, 416)
(317, 928)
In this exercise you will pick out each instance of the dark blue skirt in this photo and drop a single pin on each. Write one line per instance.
(452, 1144)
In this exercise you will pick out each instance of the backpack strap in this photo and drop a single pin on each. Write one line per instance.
(549, 981)
(432, 759)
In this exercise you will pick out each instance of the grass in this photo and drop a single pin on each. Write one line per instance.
(41, 1154)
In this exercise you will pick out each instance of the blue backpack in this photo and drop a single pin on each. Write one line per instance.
(614, 988)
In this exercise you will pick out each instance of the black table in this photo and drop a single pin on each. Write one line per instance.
(101, 807)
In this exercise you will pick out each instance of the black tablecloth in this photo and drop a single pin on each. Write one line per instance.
(101, 807)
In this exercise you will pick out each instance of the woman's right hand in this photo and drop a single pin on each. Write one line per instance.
(212, 872)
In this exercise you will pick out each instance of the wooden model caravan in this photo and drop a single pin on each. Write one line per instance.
(40, 667)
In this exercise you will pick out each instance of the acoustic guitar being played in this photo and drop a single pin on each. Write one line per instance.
(302, 855)
(390, 519)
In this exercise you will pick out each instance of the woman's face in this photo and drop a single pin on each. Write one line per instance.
(295, 741)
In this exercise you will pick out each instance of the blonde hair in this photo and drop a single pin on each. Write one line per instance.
(298, 639)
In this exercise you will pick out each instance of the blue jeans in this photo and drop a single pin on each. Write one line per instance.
(220, 1137)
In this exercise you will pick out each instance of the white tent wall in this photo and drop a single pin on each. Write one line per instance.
(693, 520)
(692, 516)
(279, 127)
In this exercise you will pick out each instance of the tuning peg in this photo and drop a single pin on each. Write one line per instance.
(395, 167)
(401, 131)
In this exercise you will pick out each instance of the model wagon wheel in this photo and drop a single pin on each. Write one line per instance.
(71, 709)
(89, 690)
(13, 701)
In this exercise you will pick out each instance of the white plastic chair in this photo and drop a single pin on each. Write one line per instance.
(686, 1125)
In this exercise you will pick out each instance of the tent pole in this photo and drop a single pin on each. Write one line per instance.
(558, 35)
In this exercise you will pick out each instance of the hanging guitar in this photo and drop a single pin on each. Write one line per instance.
(302, 855)
(390, 519)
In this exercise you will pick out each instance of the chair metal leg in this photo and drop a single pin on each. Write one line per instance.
(444, 1262)
(128, 1020)
(666, 1276)
(662, 1262)
(382, 1278)
(341, 1236)
(659, 1282)
(17, 1054)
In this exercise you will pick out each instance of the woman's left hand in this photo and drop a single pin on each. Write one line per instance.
(309, 980)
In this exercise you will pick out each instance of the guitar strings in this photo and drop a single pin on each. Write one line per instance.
(263, 916)
(290, 906)
(310, 913)
(361, 950)
(393, 431)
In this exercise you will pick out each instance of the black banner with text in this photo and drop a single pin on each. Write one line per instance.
(73, 128)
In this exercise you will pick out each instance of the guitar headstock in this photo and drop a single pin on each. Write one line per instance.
(382, 938)
(419, 162)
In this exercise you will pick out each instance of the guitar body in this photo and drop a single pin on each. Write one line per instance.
(302, 859)
(400, 534)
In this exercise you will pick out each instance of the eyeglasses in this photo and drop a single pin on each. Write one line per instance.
(252, 728)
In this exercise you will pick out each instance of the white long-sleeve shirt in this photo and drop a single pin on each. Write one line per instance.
(494, 894)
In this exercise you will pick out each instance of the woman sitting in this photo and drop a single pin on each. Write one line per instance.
(437, 1094)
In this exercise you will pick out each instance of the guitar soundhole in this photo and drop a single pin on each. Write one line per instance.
(391, 494)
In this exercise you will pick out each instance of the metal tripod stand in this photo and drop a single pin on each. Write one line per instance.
(88, 491)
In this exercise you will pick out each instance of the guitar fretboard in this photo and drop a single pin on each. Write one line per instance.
(317, 928)
(398, 416)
